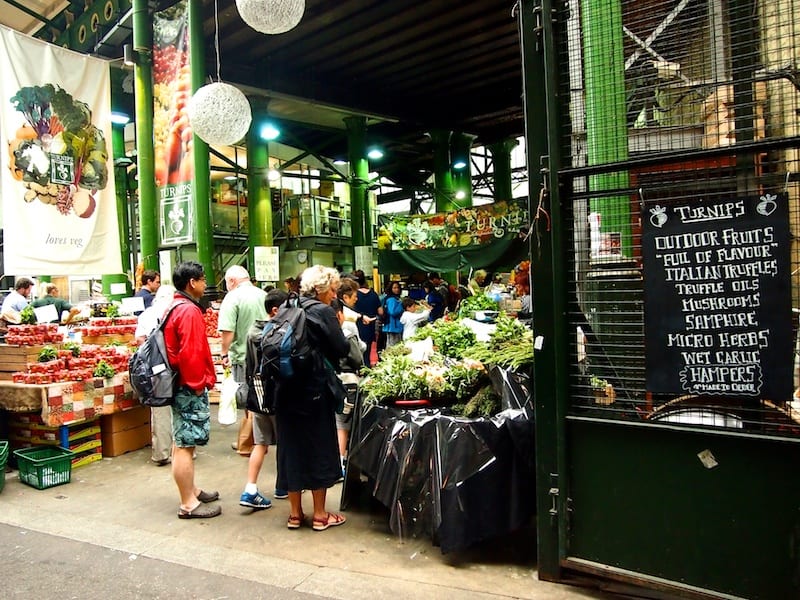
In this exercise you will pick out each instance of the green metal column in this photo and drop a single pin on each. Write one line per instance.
(442, 176)
(121, 185)
(201, 187)
(606, 121)
(548, 271)
(359, 196)
(501, 159)
(145, 159)
(120, 180)
(259, 208)
(462, 178)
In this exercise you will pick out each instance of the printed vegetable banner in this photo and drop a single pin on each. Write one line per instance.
(479, 236)
(172, 134)
(56, 176)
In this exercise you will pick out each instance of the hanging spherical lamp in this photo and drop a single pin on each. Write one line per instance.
(219, 114)
(271, 16)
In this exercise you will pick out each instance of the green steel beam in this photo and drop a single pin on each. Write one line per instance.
(259, 206)
(606, 121)
(145, 158)
(359, 175)
(549, 271)
(201, 189)
(501, 157)
(442, 175)
(121, 189)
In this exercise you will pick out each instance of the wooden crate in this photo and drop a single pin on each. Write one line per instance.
(101, 340)
(16, 358)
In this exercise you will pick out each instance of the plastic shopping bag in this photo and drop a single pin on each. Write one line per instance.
(227, 400)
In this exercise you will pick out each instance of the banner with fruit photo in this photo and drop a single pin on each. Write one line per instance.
(172, 134)
(56, 177)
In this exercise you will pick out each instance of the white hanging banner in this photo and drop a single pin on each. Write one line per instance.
(56, 168)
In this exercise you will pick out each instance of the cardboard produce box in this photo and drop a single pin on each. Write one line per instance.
(125, 431)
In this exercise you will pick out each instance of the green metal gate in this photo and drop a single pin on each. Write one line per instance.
(666, 138)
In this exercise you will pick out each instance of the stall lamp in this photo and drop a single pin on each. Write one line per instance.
(273, 175)
(230, 178)
(269, 132)
(129, 56)
(339, 162)
(460, 195)
(119, 118)
(459, 164)
(375, 153)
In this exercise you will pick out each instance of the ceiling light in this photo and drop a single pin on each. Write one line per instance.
(219, 114)
(375, 153)
(273, 175)
(339, 162)
(459, 164)
(269, 132)
(271, 16)
(119, 118)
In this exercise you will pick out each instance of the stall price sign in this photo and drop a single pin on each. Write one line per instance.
(717, 297)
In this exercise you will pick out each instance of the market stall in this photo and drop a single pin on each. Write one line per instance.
(452, 454)
(55, 390)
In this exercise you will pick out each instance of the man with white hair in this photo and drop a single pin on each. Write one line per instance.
(241, 306)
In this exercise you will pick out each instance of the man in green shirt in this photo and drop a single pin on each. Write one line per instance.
(61, 305)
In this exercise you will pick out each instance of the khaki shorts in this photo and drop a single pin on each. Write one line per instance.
(265, 431)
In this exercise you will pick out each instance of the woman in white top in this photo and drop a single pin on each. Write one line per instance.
(161, 416)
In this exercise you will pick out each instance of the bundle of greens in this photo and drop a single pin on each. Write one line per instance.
(441, 380)
(509, 346)
(485, 403)
(468, 306)
(450, 338)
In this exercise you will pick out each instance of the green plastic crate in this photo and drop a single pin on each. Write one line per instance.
(44, 466)
(3, 461)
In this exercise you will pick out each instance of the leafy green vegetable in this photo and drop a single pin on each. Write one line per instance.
(509, 346)
(104, 370)
(83, 141)
(450, 338)
(33, 161)
(442, 380)
(47, 354)
(112, 310)
(477, 302)
(35, 103)
(74, 348)
(73, 114)
(27, 316)
(485, 403)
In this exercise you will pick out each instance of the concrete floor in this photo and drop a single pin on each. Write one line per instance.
(128, 504)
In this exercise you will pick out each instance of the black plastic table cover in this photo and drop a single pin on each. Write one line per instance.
(454, 479)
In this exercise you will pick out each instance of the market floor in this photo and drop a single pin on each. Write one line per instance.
(128, 504)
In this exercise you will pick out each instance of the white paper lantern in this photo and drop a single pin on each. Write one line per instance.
(271, 16)
(219, 114)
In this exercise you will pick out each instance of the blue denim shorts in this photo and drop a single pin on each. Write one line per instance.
(191, 419)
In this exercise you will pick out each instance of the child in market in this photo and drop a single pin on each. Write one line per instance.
(413, 316)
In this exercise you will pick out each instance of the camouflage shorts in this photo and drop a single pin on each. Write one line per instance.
(191, 419)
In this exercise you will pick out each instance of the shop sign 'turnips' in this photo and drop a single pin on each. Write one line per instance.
(473, 226)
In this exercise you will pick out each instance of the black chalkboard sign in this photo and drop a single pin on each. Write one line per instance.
(717, 297)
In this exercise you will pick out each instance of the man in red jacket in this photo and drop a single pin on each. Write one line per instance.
(189, 354)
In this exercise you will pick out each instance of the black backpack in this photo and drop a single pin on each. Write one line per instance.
(286, 350)
(151, 376)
